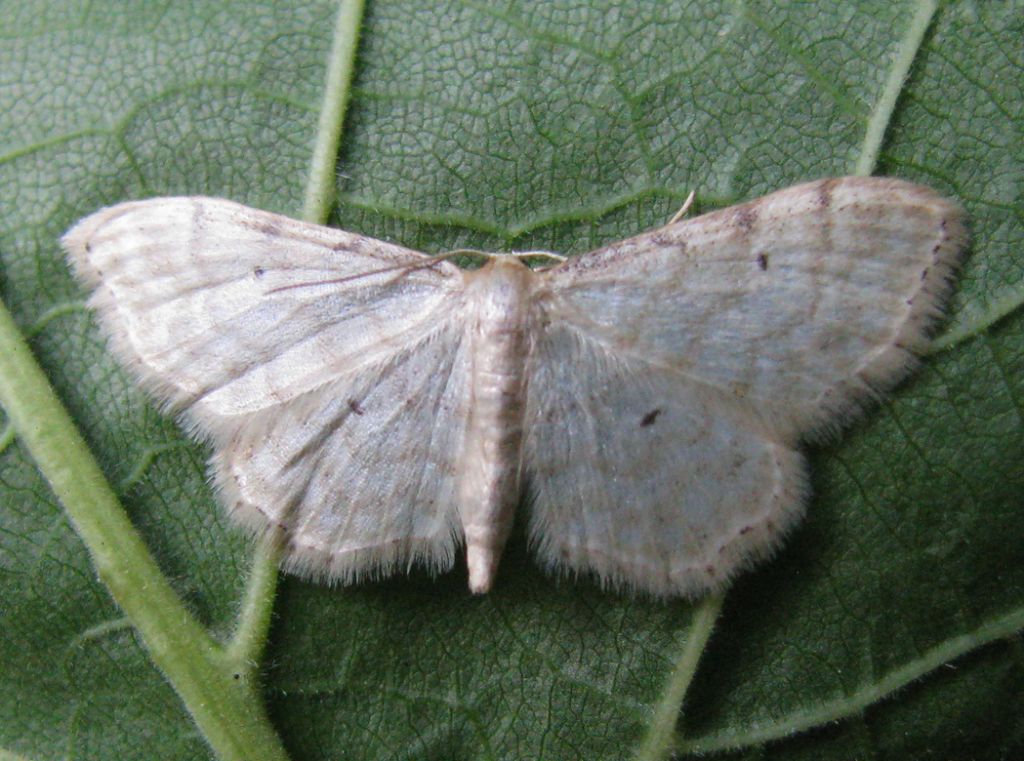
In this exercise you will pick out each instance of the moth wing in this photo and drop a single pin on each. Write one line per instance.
(326, 367)
(802, 303)
(223, 310)
(674, 373)
(357, 478)
(645, 480)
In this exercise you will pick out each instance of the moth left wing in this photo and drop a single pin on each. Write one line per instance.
(801, 303)
(673, 374)
(646, 481)
(223, 310)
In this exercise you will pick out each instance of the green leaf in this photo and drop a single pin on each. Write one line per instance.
(887, 627)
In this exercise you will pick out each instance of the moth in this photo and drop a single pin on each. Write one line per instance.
(372, 408)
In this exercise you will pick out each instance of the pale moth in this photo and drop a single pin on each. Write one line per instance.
(372, 407)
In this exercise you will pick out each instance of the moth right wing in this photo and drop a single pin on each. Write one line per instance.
(223, 310)
(327, 368)
(357, 478)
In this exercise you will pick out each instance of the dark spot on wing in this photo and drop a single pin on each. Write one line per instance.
(762, 261)
(825, 193)
(258, 271)
(746, 217)
(198, 217)
(198, 223)
(270, 229)
(356, 245)
(649, 418)
(355, 407)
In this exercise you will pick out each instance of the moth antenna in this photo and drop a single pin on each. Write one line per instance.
(349, 278)
(558, 258)
(682, 211)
